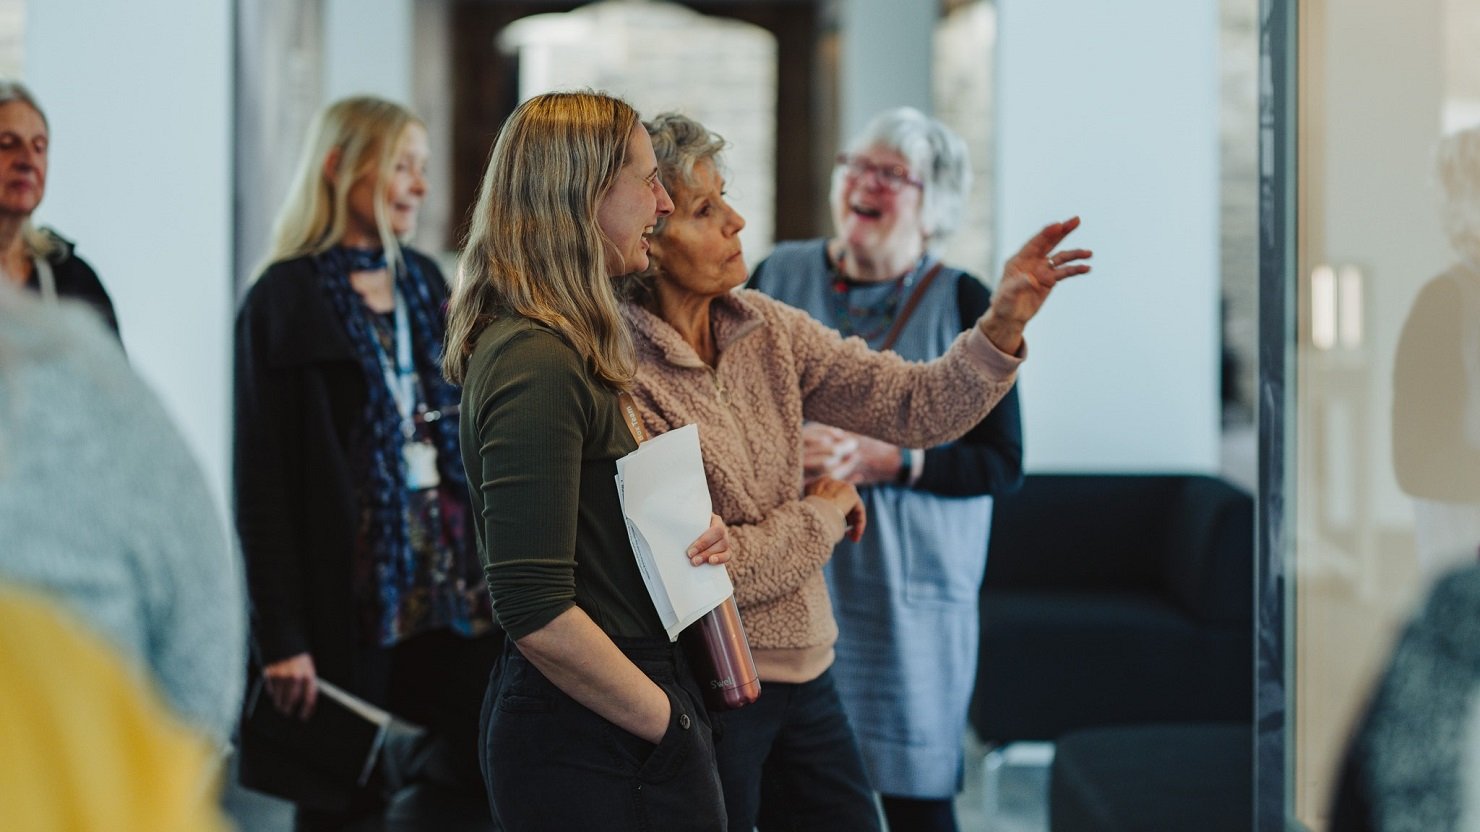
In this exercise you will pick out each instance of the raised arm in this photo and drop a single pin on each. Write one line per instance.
(846, 384)
(988, 460)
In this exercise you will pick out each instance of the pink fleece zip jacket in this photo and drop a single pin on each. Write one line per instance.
(777, 367)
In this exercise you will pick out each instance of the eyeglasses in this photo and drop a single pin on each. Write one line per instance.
(889, 177)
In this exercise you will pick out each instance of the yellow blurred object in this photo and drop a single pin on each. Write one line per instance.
(84, 743)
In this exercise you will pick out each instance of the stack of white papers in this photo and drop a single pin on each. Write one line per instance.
(665, 498)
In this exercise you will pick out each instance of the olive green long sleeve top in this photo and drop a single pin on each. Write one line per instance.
(540, 438)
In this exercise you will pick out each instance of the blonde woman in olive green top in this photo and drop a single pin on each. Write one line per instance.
(592, 718)
(536, 413)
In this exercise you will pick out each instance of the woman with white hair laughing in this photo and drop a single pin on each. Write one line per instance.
(906, 595)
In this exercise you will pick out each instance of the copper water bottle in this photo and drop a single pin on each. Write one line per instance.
(720, 654)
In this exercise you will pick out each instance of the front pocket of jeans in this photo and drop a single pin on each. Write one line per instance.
(524, 703)
(630, 747)
(668, 756)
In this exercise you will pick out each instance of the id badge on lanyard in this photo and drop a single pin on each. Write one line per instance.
(418, 456)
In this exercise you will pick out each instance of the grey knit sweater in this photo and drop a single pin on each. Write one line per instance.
(104, 509)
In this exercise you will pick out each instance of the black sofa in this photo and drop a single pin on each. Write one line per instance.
(1115, 600)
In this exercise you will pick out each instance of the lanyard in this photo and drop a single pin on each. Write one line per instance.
(634, 422)
(400, 378)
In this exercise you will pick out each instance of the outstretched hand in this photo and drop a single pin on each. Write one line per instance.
(1027, 279)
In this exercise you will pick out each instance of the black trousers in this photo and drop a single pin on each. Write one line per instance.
(790, 762)
(551, 763)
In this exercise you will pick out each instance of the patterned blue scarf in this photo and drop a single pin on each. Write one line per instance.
(387, 546)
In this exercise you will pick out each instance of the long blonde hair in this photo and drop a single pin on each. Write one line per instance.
(534, 247)
(364, 131)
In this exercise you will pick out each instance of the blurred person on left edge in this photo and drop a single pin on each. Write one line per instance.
(105, 510)
(85, 744)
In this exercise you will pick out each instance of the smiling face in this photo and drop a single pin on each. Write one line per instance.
(872, 219)
(699, 250)
(632, 206)
(400, 194)
(24, 143)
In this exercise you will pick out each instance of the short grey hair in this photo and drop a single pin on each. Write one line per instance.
(1459, 176)
(39, 242)
(936, 153)
(13, 90)
(681, 144)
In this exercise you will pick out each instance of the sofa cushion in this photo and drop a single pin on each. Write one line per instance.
(1154, 778)
(1051, 663)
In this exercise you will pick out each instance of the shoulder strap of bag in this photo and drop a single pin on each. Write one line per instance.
(909, 307)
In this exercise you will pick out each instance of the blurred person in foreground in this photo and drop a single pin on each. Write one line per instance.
(350, 494)
(906, 594)
(105, 510)
(749, 371)
(1413, 761)
(86, 745)
(593, 719)
(35, 258)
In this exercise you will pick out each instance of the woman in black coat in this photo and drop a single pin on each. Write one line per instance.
(37, 259)
(351, 500)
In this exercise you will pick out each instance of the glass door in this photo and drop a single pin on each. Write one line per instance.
(1370, 304)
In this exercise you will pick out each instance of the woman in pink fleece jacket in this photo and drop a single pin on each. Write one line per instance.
(749, 370)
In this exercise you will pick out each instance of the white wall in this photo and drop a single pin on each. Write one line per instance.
(367, 48)
(139, 100)
(1110, 111)
(1123, 364)
(884, 59)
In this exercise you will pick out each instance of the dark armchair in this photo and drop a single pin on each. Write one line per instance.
(1115, 600)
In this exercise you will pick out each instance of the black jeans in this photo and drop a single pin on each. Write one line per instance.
(790, 761)
(551, 763)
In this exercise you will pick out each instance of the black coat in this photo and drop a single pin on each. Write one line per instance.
(76, 280)
(300, 394)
